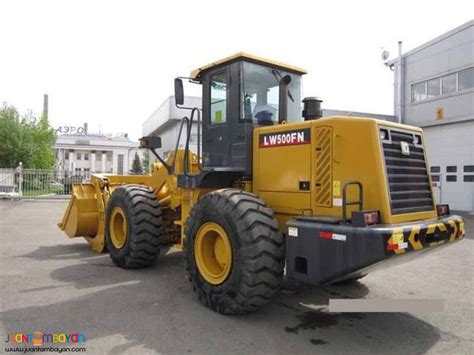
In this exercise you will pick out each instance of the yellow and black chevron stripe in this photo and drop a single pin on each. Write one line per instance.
(415, 237)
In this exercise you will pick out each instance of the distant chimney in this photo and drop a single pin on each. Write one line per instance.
(85, 128)
(45, 105)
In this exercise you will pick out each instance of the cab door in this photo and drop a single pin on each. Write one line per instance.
(221, 127)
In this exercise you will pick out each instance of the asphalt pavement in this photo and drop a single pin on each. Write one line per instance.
(52, 283)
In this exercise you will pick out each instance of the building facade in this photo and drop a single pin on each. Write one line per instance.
(331, 112)
(165, 122)
(438, 95)
(82, 154)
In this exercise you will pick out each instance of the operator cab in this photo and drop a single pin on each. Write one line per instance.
(240, 93)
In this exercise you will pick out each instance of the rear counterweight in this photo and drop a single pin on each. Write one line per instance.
(319, 253)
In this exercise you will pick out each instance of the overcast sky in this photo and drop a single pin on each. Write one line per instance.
(111, 63)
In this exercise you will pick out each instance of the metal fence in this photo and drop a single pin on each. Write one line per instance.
(36, 183)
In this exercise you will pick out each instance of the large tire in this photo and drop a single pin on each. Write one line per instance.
(258, 251)
(134, 209)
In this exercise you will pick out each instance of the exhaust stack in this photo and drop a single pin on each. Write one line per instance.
(312, 108)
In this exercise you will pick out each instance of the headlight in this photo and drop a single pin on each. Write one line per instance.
(383, 134)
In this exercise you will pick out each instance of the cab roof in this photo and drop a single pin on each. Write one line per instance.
(195, 74)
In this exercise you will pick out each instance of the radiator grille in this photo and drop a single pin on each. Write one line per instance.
(324, 167)
(407, 174)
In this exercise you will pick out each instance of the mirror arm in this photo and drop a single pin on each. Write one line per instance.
(160, 159)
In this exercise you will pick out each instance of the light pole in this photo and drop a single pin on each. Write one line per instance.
(398, 66)
(399, 83)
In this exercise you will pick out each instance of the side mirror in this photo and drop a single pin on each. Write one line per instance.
(150, 142)
(178, 92)
(283, 99)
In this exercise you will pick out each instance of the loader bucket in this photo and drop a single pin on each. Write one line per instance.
(81, 218)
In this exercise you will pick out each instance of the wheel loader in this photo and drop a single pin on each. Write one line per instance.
(270, 191)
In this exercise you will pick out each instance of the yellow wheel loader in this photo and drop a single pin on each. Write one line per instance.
(267, 186)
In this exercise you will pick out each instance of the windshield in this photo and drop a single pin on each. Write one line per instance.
(260, 94)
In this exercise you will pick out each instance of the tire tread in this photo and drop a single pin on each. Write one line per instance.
(262, 249)
(145, 227)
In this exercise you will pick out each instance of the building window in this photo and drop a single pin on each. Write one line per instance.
(109, 157)
(120, 164)
(466, 79)
(443, 85)
(469, 168)
(435, 169)
(86, 156)
(434, 88)
(78, 156)
(449, 83)
(468, 178)
(451, 169)
(418, 91)
(98, 157)
(451, 178)
(435, 178)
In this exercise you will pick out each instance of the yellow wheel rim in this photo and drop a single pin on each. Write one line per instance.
(118, 228)
(213, 253)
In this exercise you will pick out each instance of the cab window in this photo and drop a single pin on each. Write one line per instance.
(218, 83)
(260, 87)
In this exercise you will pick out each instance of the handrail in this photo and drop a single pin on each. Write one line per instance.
(345, 203)
(184, 120)
(189, 126)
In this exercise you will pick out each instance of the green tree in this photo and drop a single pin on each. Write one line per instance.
(44, 138)
(25, 139)
(146, 161)
(137, 165)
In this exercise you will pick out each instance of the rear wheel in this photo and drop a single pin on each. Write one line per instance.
(235, 253)
(133, 226)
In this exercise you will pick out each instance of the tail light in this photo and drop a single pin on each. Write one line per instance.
(365, 218)
(443, 210)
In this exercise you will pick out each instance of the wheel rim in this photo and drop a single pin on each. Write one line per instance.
(213, 253)
(118, 228)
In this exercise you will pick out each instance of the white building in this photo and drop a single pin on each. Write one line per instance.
(438, 95)
(84, 154)
(165, 122)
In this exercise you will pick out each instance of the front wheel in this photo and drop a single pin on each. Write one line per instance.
(235, 253)
(133, 227)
